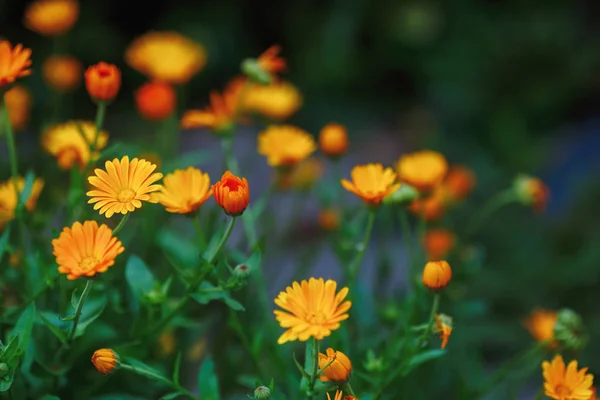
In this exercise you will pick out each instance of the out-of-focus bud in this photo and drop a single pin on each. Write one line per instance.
(532, 192)
(437, 274)
(262, 393)
(406, 194)
(242, 271)
(569, 330)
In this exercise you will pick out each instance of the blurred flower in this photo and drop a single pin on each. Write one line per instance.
(196, 351)
(105, 360)
(593, 396)
(312, 309)
(329, 219)
(262, 393)
(62, 73)
(338, 395)
(339, 369)
(166, 56)
(18, 102)
(532, 192)
(232, 193)
(167, 343)
(155, 100)
(431, 207)
(568, 383)
(123, 186)
(51, 17)
(459, 182)
(14, 63)
(103, 81)
(569, 330)
(184, 191)
(86, 249)
(277, 101)
(443, 327)
(285, 145)
(541, 324)
(264, 69)
(66, 143)
(438, 243)
(423, 169)
(16, 257)
(303, 175)
(371, 182)
(333, 140)
(8, 198)
(437, 274)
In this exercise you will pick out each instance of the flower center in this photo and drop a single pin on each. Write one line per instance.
(562, 390)
(126, 195)
(104, 72)
(233, 185)
(88, 263)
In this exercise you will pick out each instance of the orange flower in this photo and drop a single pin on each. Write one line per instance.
(232, 193)
(105, 360)
(532, 191)
(541, 324)
(86, 249)
(67, 144)
(438, 243)
(155, 100)
(51, 17)
(338, 395)
(103, 81)
(285, 145)
(459, 182)
(339, 369)
(437, 274)
(329, 220)
(14, 63)
(433, 206)
(277, 101)
(371, 182)
(184, 191)
(423, 169)
(62, 73)
(333, 140)
(593, 396)
(8, 198)
(443, 327)
(566, 383)
(17, 100)
(270, 62)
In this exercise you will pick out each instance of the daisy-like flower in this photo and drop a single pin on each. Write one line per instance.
(51, 17)
(566, 383)
(14, 63)
(184, 191)
(123, 185)
(66, 143)
(18, 103)
(86, 249)
(541, 324)
(423, 169)
(311, 309)
(8, 198)
(371, 182)
(285, 145)
(277, 101)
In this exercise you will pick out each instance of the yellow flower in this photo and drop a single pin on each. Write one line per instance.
(105, 360)
(311, 309)
(166, 56)
(371, 182)
(51, 17)
(541, 324)
(184, 191)
(65, 142)
(338, 395)
(277, 101)
(566, 383)
(18, 102)
(443, 327)
(339, 369)
(62, 73)
(285, 145)
(423, 169)
(8, 198)
(437, 274)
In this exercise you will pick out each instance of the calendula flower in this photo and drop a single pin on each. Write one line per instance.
(339, 369)
(277, 101)
(338, 395)
(66, 143)
(62, 72)
(285, 145)
(17, 100)
(431, 207)
(541, 324)
(438, 243)
(333, 140)
(8, 198)
(437, 274)
(232, 193)
(311, 309)
(443, 327)
(184, 191)
(532, 192)
(166, 56)
(329, 219)
(423, 169)
(51, 17)
(566, 383)
(303, 175)
(105, 360)
(156, 100)
(371, 182)
(103, 81)
(459, 182)
(86, 249)
(14, 63)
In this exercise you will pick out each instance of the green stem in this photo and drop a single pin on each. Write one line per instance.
(199, 232)
(121, 224)
(494, 204)
(540, 394)
(348, 389)
(86, 291)
(407, 238)
(355, 265)
(12, 151)
(434, 309)
(315, 369)
(100, 113)
(155, 376)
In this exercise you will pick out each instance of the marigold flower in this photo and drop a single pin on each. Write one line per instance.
(311, 309)
(340, 368)
(459, 182)
(423, 169)
(105, 360)
(338, 395)
(8, 198)
(277, 101)
(184, 191)
(14, 63)
(232, 193)
(166, 56)
(303, 176)
(51, 17)
(432, 207)
(566, 383)
(17, 100)
(443, 327)
(438, 243)
(333, 140)
(437, 274)
(62, 72)
(541, 324)
(329, 219)
(285, 145)
(65, 142)
(155, 100)
(103, 81)
(371, 182)
(532, 191)
(86, 249)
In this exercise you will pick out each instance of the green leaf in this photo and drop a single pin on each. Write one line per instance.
(140, 366)
(57, 331)
(300, 367)
(183, 161)
(4, 242)
(24, 326)
(422, 358)
(6, 381)
(207, 380)
(92, 309)
(176, 368)
(35, 283)
(183, 251)
(173, 395)
(27, 188)
(207, 292)
(49, 397)
(11, 349)
(139, 278)
(20, 336)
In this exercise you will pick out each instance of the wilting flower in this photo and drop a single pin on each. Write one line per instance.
(123, 186)
(232, 193)
(62, 72)
(459, 182)
(264, 69)
(566, 383)
(285, 145)
(437, 274)
(65, 142)
(303, 175)
(339, 369)
(333, 140)
(338, 395)
(105, 360)
(438, 243)
(423, 169)
(86, 249)
(541, 324)
(103, 81)
(155, 100)
(371, 182)
(311, 309)
(532, 191)
(184, 191)
(8, 198)
(17, 100)
(329, 219)
(166, 56)
(51, 17)
(432, 206)
(277, 101)
(14, 63)
(443, 327)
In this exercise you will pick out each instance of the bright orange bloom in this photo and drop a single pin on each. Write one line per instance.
(17, 100)
(541, 324)
(311, 309)
(277, 101)
(62, 73)
(438, 243)
(371, 182)
(338, 395)
(14, 63)
(423, 169)
(339, 369)
(156, 100)
(593, 396)
(86, 249)
(232, 193)
(443, 327)
(270, 61)
(184, 191)
(65, 142)
(51, 17)
(103, 81)
(437, 274)
(8, 198)
(459, 182)
(285, 145)
(433, 206)
(123, 186)
(566, 383)
(105, 360)
(532, 191)
(333, 140)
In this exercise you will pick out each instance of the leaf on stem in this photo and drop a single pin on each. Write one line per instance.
(207, 380)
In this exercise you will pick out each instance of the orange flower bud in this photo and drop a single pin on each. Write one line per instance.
(459, 182)
(62, 73)
(333, 140)
(431, 207)
(155, 100)
(340, 368)
(437, 274)
(103, 81)
(532, 191)
(18, 102)
(105, 360)
(232, 193)
(438, 243)
(541, 324)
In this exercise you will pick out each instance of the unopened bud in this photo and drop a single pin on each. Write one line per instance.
(252, 69)
(242, 271)
(3, 370)
(262, 393)
(569, 330)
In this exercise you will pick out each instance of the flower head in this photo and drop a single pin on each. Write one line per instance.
(166, 56)
(438, 243)
(18, 102)
(371, 182)
(8, 198)
(333, 140)
(437, 274)
(103, 81)
(123, 185)
(338, 395)
(184, 191)
(329, 219)
(277, 101)
(62, 72)
(51, 17)
(232, 193)
(105, 360)
(86, 249)
(156, 100)
(285, 145)
(541, 324)
(311, 309)
(566, 383)
(423, 169)
(459, 182)
(65, 142)
(532, 191)
(443, 327)
(339, 369)
(14, 63)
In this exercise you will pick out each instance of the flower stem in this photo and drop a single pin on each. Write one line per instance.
(86, 291)
(121, 224)
(12, 150)
(100, 113)
(355, 265)
(199, 233)
(407, 239)
(434, 309)
(155, 376)
(315, 368)
(494, 204)
(224, 239)
(348, 389)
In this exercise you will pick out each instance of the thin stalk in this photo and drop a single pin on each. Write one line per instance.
(494, 204)
(100, 113)
(434, 309)
(152, 375)
(349, 390)
(86, 291)
(12, 150)
(355, 265)
(315, 369)
(199, 232)
(407, 238)
(121, 224)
